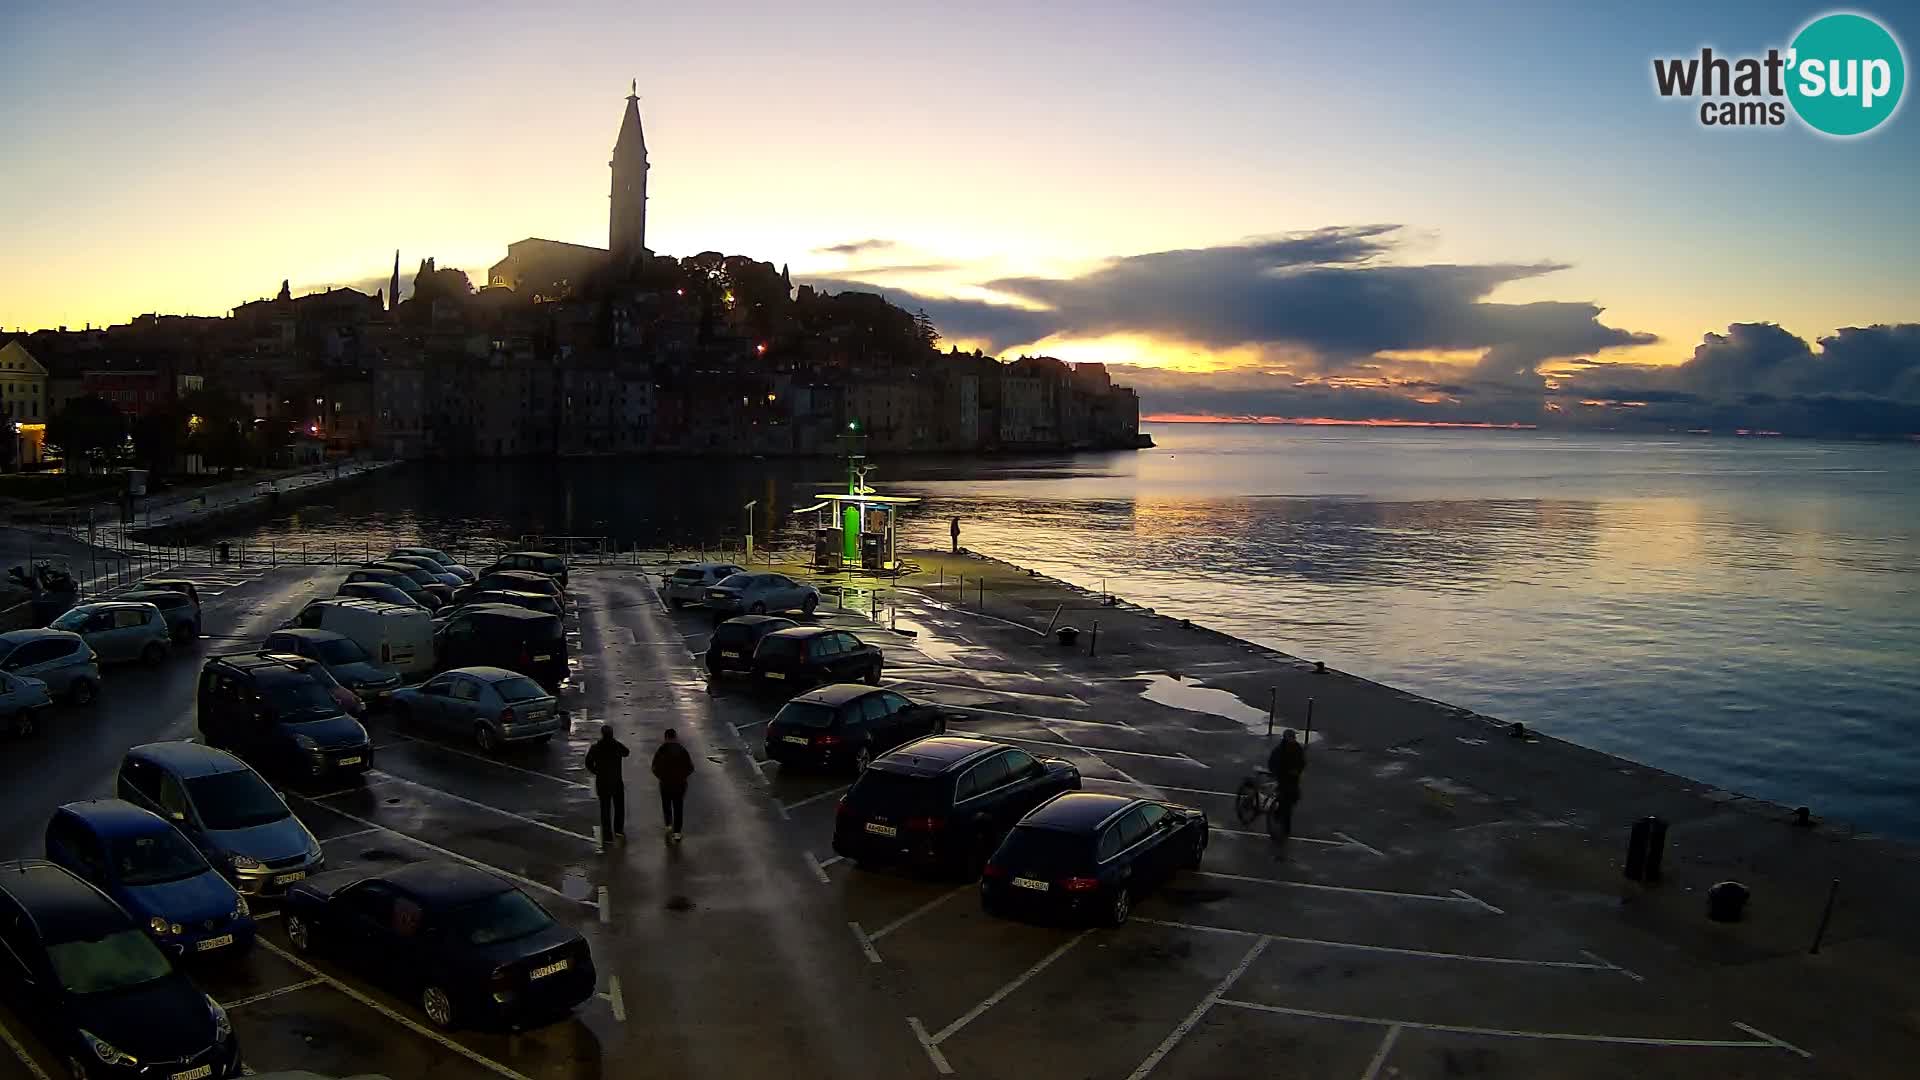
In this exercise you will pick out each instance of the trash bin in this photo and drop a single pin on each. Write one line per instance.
(1645, 846)
(1727, 901)
(225, 548)
(1067, 635)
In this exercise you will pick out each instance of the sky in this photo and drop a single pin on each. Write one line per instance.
(1438, 211)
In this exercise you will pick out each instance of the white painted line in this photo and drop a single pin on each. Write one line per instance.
(617, 999)
(264, 995)
(761, 763)
(334, 794)
(751, 723)
(495, 762)
(993, 691)
(1285, 884)
(1062, 745)
(1040, 721)
(605, 905)
(349, 835)
(1781, 1043)
(816, 798)
(919, 1032)
(39, 1073)
(463, 800)
(917, 912)
(438, 850)
(819, 871)
(1380, 1055)
(1470, 898)
(824, 863)
(1427, 954)
(270, 913)
(1181, 1029)
(407, 1022)
(1461, 1029)
(865, 943)
(1218, 831)
(1000, 995)
(1363, 847)
(1610, 965)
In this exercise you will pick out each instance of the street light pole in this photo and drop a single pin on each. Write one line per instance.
(749, 509)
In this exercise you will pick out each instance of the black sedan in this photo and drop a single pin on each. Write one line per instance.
(469, 947)
(733, 642)
(847, 724)
(791, 660)
(1082, 856)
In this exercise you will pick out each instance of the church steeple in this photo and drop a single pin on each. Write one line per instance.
(393, 284)
(627, 217)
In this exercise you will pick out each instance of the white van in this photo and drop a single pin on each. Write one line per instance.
(397, 637)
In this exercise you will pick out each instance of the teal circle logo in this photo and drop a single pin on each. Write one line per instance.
(1845, 74)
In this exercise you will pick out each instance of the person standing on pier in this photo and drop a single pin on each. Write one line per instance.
(603, 761)
(956, 535)
(672, 765)
(1286, 763)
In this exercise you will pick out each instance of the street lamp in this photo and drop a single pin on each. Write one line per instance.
(749, 509)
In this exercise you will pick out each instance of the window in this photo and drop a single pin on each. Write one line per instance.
(465, 690)
(123, 959)
(984, 777)
(441, 686)
(155, 858)
(1110, 842)
(125, 617)
(1131, 828)
(142, 778)
(233, 800)
(1020, 765)
(35, 652)
(1154, 814)
(173, 799)
(372, 901)
(895, 703)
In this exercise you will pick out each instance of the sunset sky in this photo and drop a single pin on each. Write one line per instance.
(187, 158)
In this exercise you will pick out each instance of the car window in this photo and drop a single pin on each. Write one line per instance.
(1021, 765)
(123, 617)
(155, 858)
(465, 690)
(895, 702)
(848, 643)
(370, 900)
(1131, 828)
(173, 799)
(35, 652)
(805, 714)
(1110, 844)
(117, 961)
(440, 685)
(874, 708)
(881, 791)
(99, 621)
(517, 690)
(1153, 814)
(336, 651)
(15, 942)
(985, 776)
(141, 777)
(824, 647)
(74, 620)
(501, 917)
(233, 800)
(1051, 850)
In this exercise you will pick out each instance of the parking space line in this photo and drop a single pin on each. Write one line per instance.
(997, 692)
(1467, 896)
(1426, 954)
(1040, 720)
(1781, 1043)
(1064, 745)
(1344, 838)
(1503, 1033)
(404, 1021)
(265, 994)
(919, 1032)
(917, 912)
(1285, 884)
(1269, 836)
(445, 749)
(815, 798)
(1380, 1055)
(751, 723)
(438, 850)
(604, 903)
(349, 835)
(1000, 995)
(39, 1073)
(384, 776)
(819, 870)
(1181, 1029)
(1606, 963)
(865, 942)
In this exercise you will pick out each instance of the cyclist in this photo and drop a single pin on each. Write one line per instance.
(1287, 761)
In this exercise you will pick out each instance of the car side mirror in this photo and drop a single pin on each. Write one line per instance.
(177, 816)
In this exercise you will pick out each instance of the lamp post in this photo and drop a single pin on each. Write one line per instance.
(749, 509)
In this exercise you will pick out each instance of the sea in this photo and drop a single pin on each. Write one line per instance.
(1743, 611)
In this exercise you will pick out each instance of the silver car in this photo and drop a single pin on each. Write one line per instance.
(21, 702)
(445, 560)
(117, 630)
(494, 705)
(60, 659)
(761, 594)
(445, 576)
(689, 583)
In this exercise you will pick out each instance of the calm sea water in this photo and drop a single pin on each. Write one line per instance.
(1746, 612)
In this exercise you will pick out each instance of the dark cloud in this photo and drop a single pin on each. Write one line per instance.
(855, 247)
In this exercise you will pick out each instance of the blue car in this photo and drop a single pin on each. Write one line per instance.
(154, 872)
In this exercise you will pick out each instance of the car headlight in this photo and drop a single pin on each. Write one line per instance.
(306, 743)
(106, 1051)
(157, 924)
(244, 862)
(313, 850)
(222, 1027)
(240, 909)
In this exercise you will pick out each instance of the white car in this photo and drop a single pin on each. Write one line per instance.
(21, 701)
(761, 594)
(689, 584)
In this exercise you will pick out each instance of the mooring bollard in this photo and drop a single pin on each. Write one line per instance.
(1273, 706)
(1093, 641)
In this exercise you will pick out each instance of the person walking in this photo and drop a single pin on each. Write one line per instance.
(672, 765)
(603, 761)
(1286, 763)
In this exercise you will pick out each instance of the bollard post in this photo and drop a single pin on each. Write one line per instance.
(1307, 743)
(983, 592)
(1273, 706)
(1826, 915)
(960, 590)
(1093, 641)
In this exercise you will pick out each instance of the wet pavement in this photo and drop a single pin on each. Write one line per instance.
(1411, 929)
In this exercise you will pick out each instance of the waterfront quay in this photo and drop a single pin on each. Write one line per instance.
(1451, 902)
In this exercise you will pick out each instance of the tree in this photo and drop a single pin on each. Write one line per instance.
(157, 438)
(89, 430)
(217, 426)
(923, 328)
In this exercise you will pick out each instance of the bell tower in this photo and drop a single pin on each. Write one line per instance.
(627, 219)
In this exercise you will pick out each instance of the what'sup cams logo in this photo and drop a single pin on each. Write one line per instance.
(1843, 76)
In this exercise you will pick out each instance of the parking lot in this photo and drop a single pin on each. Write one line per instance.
(1352, 951)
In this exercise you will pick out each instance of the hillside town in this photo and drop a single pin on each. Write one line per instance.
(564, 350)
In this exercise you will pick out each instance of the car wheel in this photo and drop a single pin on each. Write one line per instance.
(1199, 849)
(299, 934)
(483, 738)
(153, 653)
(184, 633)
(758, 608)
(438, 1006)
(862, 758)
(940, 726)
(873, 675)
(22, 725)
(807, 606)
(82, 692)
(1121, 908)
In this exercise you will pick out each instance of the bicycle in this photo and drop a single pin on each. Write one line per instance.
(1260, 794)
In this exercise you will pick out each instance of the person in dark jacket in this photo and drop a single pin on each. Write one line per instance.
(672, 765)
(1286, 763)
(603, 761)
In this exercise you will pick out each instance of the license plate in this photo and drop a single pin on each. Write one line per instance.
(543, 659)
(349, 761)
(729, 654)
(288, 879)
(554, 968)
(776, 674)
(213, 942)
(878, 829)
(1031, 883)
(200, 1073)
(800, 740)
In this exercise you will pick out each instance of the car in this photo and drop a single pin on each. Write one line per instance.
(468, 946)
(516, 581)
(440, 573)
(944, 801)
(805, 656)
(532, 601)
(181, 613)
(387, 575)
(540, 562)
(154, 873)
(688, 584)
(731, 647)
(1085, 856)
(59, 658)
(496, 706)
(119, 632)
(760, 594)
(396, 636)
(271, 711)
(22, 700)
(376, 590)
(446, 561)
(502, 635)
(237, 821)
(343, 658)
(100, 994)
(179, 585)
(847, 724)
(426, 579)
